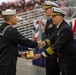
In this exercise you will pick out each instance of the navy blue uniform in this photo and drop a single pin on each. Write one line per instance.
(9, 41)
(51, 61)
(62, 42)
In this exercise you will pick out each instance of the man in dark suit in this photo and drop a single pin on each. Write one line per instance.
(51, 64)
(61, 42)
(9, 40)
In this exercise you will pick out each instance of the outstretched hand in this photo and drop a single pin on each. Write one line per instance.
(23, 54)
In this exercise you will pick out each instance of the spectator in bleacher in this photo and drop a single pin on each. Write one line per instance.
(30, 5)
(26, 8)
(21, 9)
(12, 7)
(9, 40)
(22, 2)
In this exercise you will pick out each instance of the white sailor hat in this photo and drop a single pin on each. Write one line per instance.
(57, 11)
(9, 12)
(49, 4)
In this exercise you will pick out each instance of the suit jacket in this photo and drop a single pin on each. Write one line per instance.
(9, 45)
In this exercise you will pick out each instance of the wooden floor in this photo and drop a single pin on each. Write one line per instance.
(25, 67)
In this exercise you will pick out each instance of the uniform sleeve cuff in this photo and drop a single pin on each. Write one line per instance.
(43, 54)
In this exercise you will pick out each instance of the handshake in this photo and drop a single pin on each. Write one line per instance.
(30, 54)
